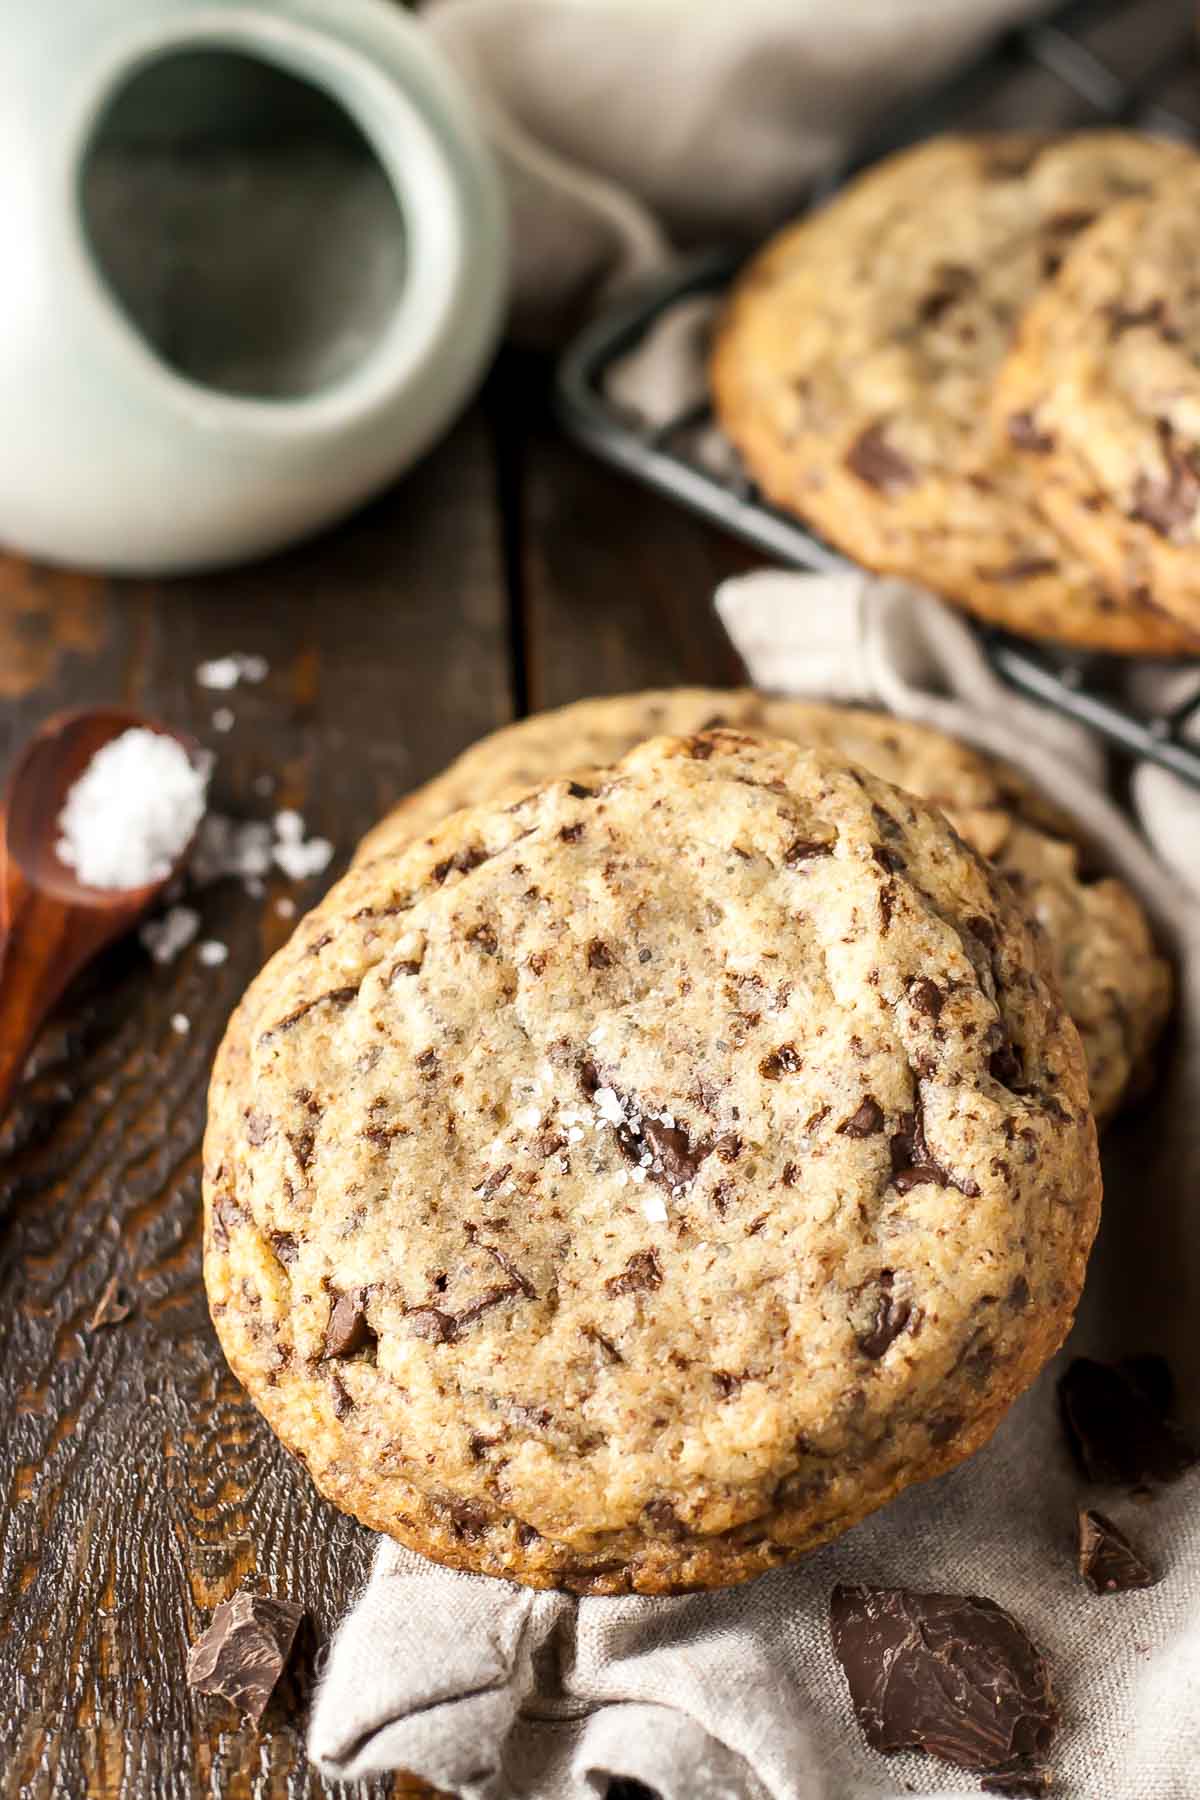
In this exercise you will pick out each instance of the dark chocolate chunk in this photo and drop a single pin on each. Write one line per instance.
(953, 1675)
(914, 1163)
(892, 1315)
(1125, 318)
(347, 1331)
(878, 463)
(783, 1061)
(1118, 1433)
(111, 1308)
(1018, 1784)
(927, 996)
(1152, 1374)
(674, 1155)
(623, 1787)
(599, 956)
(1024, 433)
(485, 937)
(1108, 1561)
(953, 281)
(643, 1270)
(804, 850)
(1169, 504)
(1021, 568)
(866, 1122)
(244, 1651)
(462, 862)
(339, 997)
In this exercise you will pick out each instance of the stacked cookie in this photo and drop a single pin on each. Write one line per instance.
(659, 1150)
(975, 368)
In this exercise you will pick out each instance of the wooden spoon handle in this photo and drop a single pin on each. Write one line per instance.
(44, 944)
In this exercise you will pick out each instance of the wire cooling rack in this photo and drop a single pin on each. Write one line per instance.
(1093, 62)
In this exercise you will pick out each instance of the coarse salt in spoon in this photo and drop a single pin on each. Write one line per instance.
(99, 814)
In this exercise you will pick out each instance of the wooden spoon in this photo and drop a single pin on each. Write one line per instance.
(51, 923)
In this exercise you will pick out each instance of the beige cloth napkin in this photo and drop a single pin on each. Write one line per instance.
(629, 128)
(497, 1693)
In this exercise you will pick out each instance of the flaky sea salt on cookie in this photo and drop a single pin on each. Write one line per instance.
(628, 1188)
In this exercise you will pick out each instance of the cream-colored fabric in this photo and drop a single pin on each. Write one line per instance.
(629, 128)
(501, 1694)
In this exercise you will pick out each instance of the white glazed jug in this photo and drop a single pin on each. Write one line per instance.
(116, 449)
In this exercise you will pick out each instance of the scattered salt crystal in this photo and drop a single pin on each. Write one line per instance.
(223, 719)
(212, 953)
(595, 1036)
(622, 1178)
(226, 671)
(654, 1207)
(289, 826)
(165, 937)
(528, 1120)
(299, 861)
(263, 785)
(575, 1135)
(285, 907)
(638, 1175)
(132, 811)
(227, 846)
(181, 1023)
(608, 1106)
(254, 887)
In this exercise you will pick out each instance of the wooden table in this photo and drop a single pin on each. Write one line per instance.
(137, 1486)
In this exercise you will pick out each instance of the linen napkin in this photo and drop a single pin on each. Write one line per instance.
(497, 1693)
(627, 129)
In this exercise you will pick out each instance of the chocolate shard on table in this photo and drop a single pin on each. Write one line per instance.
(1115, 1419)
(951, 1674)
(244, 1651)
(1108, 1562)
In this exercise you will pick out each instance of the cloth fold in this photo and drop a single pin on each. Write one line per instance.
(496, 1693)
(628, 129)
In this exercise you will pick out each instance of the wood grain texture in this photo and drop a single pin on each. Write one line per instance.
(615, 583)
(137, 1486)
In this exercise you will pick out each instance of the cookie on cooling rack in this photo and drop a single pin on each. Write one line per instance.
(1116, 986)
(629, 1188)
(1101, 398)
(854, 366)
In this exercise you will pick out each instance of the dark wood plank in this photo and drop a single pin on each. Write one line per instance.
(137, 1486)
(616, 582)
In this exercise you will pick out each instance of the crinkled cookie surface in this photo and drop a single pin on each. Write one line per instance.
(628, 1188)
(1116, 986)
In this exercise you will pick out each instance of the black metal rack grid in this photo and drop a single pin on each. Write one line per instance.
(1092, 62)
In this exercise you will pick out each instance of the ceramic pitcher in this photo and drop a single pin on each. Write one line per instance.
(254, 261)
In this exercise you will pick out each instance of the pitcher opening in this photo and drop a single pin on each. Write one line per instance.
(243, 223)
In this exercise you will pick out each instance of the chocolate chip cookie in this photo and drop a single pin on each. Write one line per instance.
(1101, 398)
(854, 367)
(629, 1187)
(1116, 986)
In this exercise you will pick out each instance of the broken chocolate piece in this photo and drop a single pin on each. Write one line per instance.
(1108, 1561)
(244, 1651)
(642, 1271)
(954, 1675)
(879, 463)
(1023, 432)
(913, 1163)
(347, 1331)
(892, 1314)
(111, 1308)
(865, 1122)
(1118, 1432)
